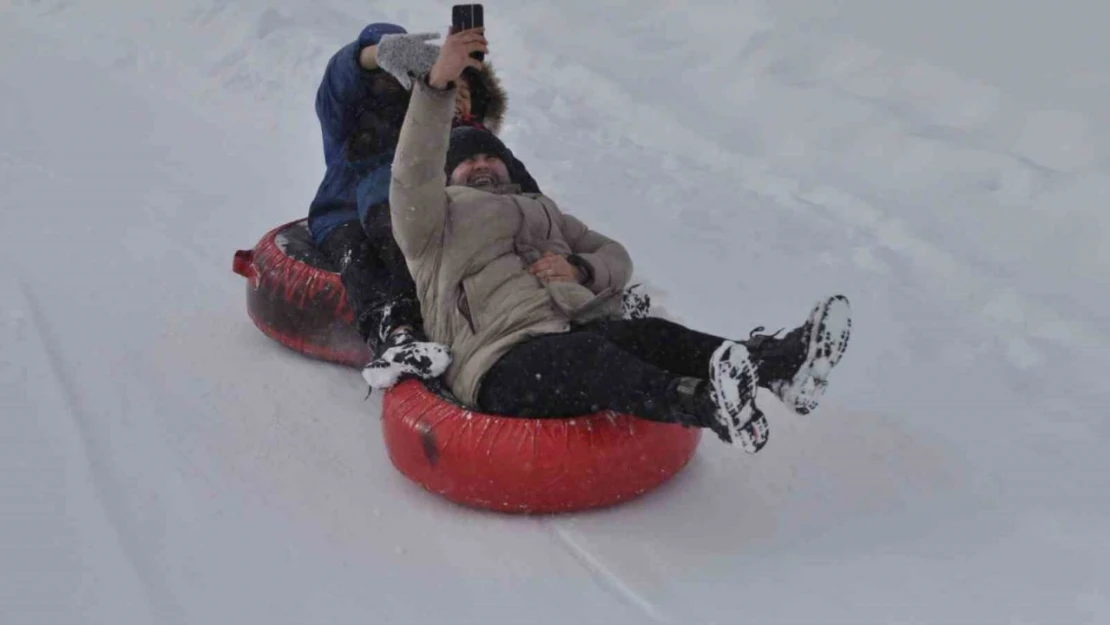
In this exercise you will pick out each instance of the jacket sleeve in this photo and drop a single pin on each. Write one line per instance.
(606, 261)
(418, 189)
(344, 83)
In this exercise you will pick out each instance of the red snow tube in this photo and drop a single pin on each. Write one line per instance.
(295, 297)
(529, 466)
(508, 464)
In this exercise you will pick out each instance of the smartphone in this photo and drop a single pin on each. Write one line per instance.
(465, 17)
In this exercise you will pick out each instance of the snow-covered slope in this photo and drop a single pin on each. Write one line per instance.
(946, 167)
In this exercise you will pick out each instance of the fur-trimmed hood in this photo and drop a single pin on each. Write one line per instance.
(381, 111)
(488, 103)
(488, 99)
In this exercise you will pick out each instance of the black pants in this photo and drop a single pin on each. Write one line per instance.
(372, 268)
(623, 365)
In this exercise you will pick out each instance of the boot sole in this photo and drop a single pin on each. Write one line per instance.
(732, 381)
(830, 328)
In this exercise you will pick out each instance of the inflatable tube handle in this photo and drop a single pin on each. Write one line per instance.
(243, 264)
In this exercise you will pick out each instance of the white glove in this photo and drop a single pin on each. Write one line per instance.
(407, 57)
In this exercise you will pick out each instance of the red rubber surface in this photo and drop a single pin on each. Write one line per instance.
(529, 466)
(298, 305)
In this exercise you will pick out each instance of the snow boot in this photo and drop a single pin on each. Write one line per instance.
(725, 403)
(796, 367)
(635, 303)
(406, 354)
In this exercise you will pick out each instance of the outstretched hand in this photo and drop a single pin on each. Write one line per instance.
(406, 56)
(554, 268)
(454, 56)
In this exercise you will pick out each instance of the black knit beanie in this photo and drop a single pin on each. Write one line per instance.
(468, 141)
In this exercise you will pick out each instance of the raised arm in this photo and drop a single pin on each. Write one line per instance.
(417, 192)
(346, 81)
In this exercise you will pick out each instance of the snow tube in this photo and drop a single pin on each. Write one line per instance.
(529, 466)
(295, 297)
(507, 464)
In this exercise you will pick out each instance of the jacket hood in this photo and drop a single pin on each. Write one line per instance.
(378, 120)
(488, 99)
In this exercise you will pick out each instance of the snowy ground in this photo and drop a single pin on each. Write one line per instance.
(946, 167)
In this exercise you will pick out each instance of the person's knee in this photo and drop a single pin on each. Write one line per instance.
(339, 242)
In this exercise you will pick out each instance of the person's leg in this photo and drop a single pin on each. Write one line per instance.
(379, 311)
(579, 373)
(373, 271)
(795, 367)
(362, 274)
(576, 373)
(402, 348)
(662, 343)
(399, 307)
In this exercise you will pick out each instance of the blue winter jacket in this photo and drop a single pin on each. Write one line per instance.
(349, 189)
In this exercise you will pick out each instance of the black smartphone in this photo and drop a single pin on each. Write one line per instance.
(467, 16)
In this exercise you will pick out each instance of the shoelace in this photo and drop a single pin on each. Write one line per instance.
(756, 340)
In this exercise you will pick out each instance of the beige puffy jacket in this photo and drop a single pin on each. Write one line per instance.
(469, 251)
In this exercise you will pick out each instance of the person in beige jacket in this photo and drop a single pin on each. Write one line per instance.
(527, 297)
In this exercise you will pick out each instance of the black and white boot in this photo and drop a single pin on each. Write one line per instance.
(404, 354)
(796, 367)
(635, 302)
(725, 403)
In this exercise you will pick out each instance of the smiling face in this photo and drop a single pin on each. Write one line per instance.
(481, 170)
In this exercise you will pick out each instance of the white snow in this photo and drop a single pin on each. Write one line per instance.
(944, 164)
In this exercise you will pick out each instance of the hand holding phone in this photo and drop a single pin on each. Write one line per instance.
(455, 55)
(467, 17)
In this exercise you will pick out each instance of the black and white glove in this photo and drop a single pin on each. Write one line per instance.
(407, 57)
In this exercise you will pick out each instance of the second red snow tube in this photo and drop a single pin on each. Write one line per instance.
(295, 297)
(507, 464)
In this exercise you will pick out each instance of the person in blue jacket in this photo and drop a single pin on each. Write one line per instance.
(361, 104)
